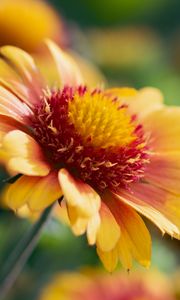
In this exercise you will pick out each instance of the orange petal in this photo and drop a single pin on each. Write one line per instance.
(164, 128)
(135, 234)
(124, 252)
(11, 106)
(79, 195)
(109, 231)
(109, 259)
(140, 102)
(69, 72)
(25, 155)
(158, 205)
(37, 192)
(164, 171)
(24, 65)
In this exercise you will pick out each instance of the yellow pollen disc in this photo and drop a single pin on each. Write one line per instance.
(98, 118)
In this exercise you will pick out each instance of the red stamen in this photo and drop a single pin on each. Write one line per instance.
(111, 168)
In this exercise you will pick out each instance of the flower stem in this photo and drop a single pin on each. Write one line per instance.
(21, 253)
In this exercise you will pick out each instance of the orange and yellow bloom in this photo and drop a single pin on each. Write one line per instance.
(98, 286)
(110, 153)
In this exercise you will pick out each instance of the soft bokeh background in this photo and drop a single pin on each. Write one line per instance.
(133, 43)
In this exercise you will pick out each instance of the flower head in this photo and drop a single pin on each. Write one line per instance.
(96, 285)
(91, 134)
(110, 153)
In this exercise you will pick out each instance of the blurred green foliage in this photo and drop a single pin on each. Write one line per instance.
(162, 13)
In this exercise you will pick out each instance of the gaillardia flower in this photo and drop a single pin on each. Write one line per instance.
(109, 153)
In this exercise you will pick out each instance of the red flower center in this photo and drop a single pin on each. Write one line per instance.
(92, 135)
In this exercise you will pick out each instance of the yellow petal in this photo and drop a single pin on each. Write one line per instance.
(48, 68)
(126, 94)
(37, 192)
(109, 259)
(8, 124)
(78, 224)
(31, 167)
(91, 74)
(79, 194)
(24, 65)
(148, 99)
(158, 205)
(11, 106)
(164, 129)
(141, 102)
(92, 229)
(46, 191)
(16, 194)
(136, 235)
(109, 231)
(61, 213)
(25, 212)
(69, 72)
(11, 81)
(18, 89)
(138, 239)
(25, 155)
(164, 171)
(4, 158)
(124, 252)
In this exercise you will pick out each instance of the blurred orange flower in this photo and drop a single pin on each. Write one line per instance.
(110, 153)
(97, 286)
(39, 21)
(26, 23)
